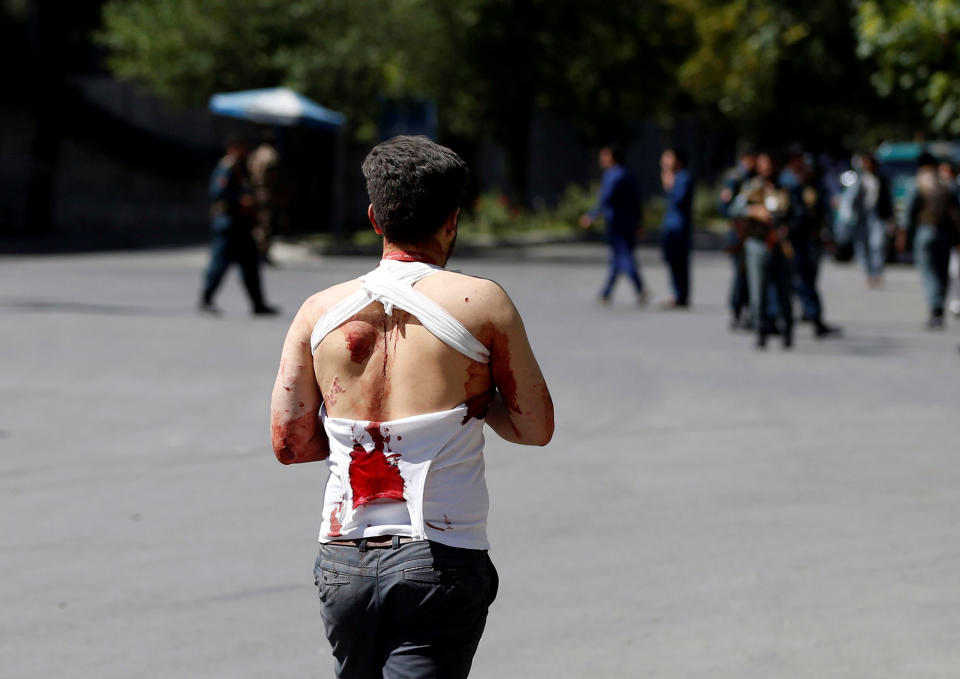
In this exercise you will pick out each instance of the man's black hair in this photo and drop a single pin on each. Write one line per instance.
(617, 152)
(925, 159)
(680, 155)
(414, 186)
(793, 151)
(236, 140)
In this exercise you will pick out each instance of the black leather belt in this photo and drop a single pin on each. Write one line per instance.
(378, 542)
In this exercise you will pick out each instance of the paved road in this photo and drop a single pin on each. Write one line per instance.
(703, 511)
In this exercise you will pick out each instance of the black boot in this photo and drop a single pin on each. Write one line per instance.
(822, 330)
(936, 320)
(206, 305)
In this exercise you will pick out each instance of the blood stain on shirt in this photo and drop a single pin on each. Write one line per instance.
(373, 474)
(335, 526)
(448, 524)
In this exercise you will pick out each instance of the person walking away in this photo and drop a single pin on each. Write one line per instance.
(805, 222)
(263, 166)
(933, 224)
(231, 221)
(619, 205)
(948, 173)
(390, 378)
(765, 206)
(866, 212)
(677, 236)
(733, 182)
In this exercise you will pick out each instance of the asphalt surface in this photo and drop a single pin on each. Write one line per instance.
(704, 510)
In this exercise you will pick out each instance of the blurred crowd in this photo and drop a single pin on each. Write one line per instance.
(787, 209)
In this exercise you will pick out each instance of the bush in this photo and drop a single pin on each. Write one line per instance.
(493, 215)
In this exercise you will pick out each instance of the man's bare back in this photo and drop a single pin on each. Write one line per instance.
(381, 367)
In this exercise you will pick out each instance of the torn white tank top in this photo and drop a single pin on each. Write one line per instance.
(420, 476)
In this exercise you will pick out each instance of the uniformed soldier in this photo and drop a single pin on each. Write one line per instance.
(231, 222)
(805, 223)
(764, 206)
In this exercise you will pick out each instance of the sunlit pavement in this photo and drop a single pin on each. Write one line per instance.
(704, 509)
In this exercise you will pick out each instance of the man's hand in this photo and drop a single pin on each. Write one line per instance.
(760, 213)
(667, 178)
(586, 221)
(901, 240)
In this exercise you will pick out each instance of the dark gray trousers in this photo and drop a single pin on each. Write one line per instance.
(411, 610)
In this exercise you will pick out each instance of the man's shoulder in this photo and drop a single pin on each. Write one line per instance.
(317, 304)
(457, 282)
(467, 296)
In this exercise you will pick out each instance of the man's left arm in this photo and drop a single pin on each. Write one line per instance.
(295, 427)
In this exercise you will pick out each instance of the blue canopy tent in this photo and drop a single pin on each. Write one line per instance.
(282, 107)
(276, 106)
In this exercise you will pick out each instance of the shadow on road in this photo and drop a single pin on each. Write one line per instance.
(65, 306)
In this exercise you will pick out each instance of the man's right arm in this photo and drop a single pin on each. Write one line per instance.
(295, 428)
(522, 410)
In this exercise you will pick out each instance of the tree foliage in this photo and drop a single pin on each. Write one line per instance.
(780, 69)
(916, 46)
(490, 65)
(777, 70)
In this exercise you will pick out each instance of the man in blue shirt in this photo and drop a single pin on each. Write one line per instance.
(619, 205)
(677, 236)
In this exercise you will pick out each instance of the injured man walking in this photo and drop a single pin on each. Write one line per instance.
(390, 378)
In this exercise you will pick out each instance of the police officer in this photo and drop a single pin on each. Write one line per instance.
(764, 206)
(231, 221)
(805, 220)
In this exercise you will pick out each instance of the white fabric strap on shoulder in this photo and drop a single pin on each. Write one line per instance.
(337, 315)
(392, 286)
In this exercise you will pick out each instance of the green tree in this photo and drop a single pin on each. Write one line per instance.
(185, 50)
(916, 46)
(490, 65)
(780, 70)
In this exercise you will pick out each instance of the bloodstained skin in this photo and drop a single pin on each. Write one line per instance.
(335, 390)
(372, 475)
(360, 343)
(502, 374)
(291, 436)
(478, 384)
